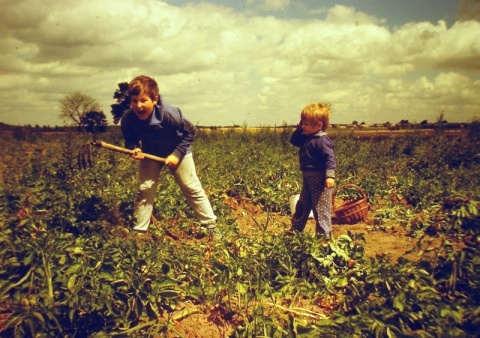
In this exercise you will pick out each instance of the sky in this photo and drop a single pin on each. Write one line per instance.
(245, 62)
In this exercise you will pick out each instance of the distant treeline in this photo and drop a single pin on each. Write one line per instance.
(37, 128)
(404, 124)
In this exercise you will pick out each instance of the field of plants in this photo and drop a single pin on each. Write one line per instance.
(71, 268)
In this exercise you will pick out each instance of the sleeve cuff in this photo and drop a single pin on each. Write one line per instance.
(177, 154)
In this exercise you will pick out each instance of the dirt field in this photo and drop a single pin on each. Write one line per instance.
(207, 322)
(199, 321)
(393, 242)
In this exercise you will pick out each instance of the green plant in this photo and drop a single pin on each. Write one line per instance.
(70, 268)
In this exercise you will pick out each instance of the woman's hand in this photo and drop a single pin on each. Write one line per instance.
(171, 161)
(137, 154)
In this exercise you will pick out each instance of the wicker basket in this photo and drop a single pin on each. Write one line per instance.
(352, 211)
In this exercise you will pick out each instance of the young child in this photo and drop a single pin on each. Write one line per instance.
(317, 163)
(154, 127)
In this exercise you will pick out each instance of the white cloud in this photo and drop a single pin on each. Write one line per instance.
(349, 15)
(425, 46)
(222, 66)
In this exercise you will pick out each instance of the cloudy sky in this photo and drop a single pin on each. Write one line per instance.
(245, 62)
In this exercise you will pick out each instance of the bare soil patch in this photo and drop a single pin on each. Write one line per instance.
(393, 241)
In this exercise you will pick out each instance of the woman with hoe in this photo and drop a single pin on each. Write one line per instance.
(154, 127)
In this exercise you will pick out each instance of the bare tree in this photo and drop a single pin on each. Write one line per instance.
(75, 105)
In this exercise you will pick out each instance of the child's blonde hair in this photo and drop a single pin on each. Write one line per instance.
(317, 112)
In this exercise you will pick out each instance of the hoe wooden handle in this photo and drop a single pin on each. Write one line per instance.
(109, 146)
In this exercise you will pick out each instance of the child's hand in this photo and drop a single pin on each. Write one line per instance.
(171, 161)
(329, 182)
(137, 154)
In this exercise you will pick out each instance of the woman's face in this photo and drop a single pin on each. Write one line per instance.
(142, 105)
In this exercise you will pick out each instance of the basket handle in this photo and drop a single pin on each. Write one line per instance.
(350, 185)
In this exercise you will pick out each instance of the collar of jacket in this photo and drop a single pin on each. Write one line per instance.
(320, 133)
(157, 116)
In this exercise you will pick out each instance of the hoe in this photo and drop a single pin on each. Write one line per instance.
(85, 159)
(85, 153)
